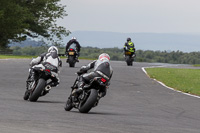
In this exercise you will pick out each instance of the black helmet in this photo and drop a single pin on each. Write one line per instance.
(128, 39)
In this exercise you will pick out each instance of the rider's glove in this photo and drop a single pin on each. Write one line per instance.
(79, 72)
(82, 70)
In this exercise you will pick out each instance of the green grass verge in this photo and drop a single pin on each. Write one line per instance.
(15, 57)
(196, 65)
(185, 80)
(29, 57)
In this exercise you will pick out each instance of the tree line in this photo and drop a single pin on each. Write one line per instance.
(174, 57)
(20, 19)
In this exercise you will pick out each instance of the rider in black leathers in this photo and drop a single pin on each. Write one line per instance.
(77, 46)
(99, 68)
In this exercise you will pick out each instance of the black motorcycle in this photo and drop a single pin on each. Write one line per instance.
(129, 58)
(71, 57)
(89, 97)
(39, 87)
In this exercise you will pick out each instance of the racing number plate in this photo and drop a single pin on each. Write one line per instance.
(71, 53)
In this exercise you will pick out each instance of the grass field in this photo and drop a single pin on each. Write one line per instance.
(29, 57)
(185, 80)
(15, 57)
(196, 65)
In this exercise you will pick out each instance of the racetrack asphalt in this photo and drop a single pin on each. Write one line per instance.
(134, 104)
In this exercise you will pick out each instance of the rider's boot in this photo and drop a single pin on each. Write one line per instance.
(80, 88)
(76, 59)
(67, 60)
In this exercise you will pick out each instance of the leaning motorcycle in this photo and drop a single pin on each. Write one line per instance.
(39, 87)
(89, 97)
(129, 58)
(71, 57)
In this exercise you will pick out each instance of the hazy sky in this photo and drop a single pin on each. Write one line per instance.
(130, 16)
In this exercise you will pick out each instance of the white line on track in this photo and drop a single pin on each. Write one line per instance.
(143, 68)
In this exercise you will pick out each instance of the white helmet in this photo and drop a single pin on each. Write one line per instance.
(74, 38)
(104, 56)
(53, 49)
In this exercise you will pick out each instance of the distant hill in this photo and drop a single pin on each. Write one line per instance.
(143, 41)
(27, 42)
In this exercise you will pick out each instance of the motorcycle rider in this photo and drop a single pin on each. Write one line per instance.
(129, 46)
(50, 57)
(99, 68)
(73, 43)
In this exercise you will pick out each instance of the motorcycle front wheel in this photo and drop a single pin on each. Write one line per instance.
(68, 105)
(26, 94)
(38, 90)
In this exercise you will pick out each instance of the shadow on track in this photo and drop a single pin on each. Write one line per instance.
(49, 102)
(96, 113)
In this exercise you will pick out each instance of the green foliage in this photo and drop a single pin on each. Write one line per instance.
(196, 65)
(93, 53)
(186, 80)
(174, 57)
(33, 51)
(22, 18)
(177, 57)
(15, 57)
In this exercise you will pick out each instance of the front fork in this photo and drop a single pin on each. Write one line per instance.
(75, 85)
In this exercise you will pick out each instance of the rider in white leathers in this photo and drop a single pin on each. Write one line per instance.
(50, 57)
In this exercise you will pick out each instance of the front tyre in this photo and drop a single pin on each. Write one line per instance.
(68, 105)
(26, 94)
(89, 103)
(38, 90)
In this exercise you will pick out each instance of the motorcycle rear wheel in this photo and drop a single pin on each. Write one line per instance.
(71, 61)
(129, 61)
(89, 103)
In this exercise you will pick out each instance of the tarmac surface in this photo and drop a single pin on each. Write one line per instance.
(134, 104)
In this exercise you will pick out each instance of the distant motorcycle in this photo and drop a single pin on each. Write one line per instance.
(71, 57)
(90, 96)
(129, 58)
(40, 87)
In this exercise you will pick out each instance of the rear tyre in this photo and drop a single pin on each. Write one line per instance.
(127, 60)
(71, 65)
(128, 63)
(131, 63)
(71, 61)
(89, 103)
(68, 105)
(38, 90)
